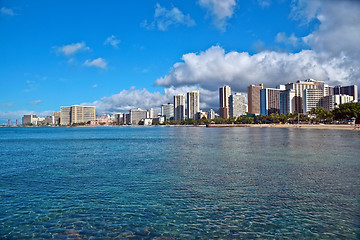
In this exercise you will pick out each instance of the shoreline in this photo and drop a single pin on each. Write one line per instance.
(302, 126)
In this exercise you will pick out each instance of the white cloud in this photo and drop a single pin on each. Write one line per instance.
(73, 48)
(214, 68)
(113, 41)
(221, 10)
(291, 40)
(99, 62)
(333, 57)
(164, 18)
(36, 102)
(13, 115)
(141, 98)
(338, 32)
(7, 104)
(7, 11)
(264, 3)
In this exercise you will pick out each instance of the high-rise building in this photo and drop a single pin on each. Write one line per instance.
(299, 88)
(179, 107)
(28, 119)
(17, 122)
(119, 118)
(136, 115)
(253, 92)
(151, 113)
(342, 98)
(193, 104)
(167, 111)
(9, 122)
(211, 114)
(65, 115)
(237, 106)
(56, 115)
(347, 90)
(287, 103)
(312, 98)
(76, 114)
(224, 94)
(270, 100)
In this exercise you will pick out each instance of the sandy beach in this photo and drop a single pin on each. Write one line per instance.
(312, 126)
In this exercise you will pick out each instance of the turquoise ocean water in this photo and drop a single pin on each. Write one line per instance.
(179, 183)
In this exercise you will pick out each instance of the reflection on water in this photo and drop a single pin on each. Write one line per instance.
(179, 183)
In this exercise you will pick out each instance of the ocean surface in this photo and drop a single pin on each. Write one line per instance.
(179, 183)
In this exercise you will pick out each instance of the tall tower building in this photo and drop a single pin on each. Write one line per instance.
(270, 100)
(76, 114)
(253, 92)
(224, 94)
(237, 106)
(299, 88)
(193, 104)
(179, 107)
(167, 111)
(348, 90)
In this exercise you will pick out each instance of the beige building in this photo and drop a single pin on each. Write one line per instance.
(224, 94)
(299, 88)
(193, 104)
(179, 107)
(76, 114)
(253, 92)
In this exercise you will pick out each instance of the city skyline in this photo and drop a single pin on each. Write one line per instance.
(117, 60)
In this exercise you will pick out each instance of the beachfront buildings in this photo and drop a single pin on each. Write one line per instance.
(136, 115)
(347, 90)
(302, 96)
(237, 106)
(76, 114)
(224, 94)
(270, 100)
(287, 105)
(299, 88)
(253, 94)
(179, 107)
(211, 114)
(167, 111)
(193, 104)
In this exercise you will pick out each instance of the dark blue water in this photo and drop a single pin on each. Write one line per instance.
(179, 183)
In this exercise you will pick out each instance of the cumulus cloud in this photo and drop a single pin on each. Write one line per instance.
(113, 41)
(36, 102)
(73, 48)
(99, 62)
(221, 10)
(214, 67)
(339, 29)
(164, 18)
(333, 56)
(291, 40)
(7, 11)
(142, 98)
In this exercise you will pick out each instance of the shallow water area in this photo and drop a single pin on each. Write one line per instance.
(179, 183)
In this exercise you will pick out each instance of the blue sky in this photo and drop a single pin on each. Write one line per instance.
(118, 55)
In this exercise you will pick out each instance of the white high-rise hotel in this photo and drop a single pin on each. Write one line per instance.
(193, 104)
(179, 107)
